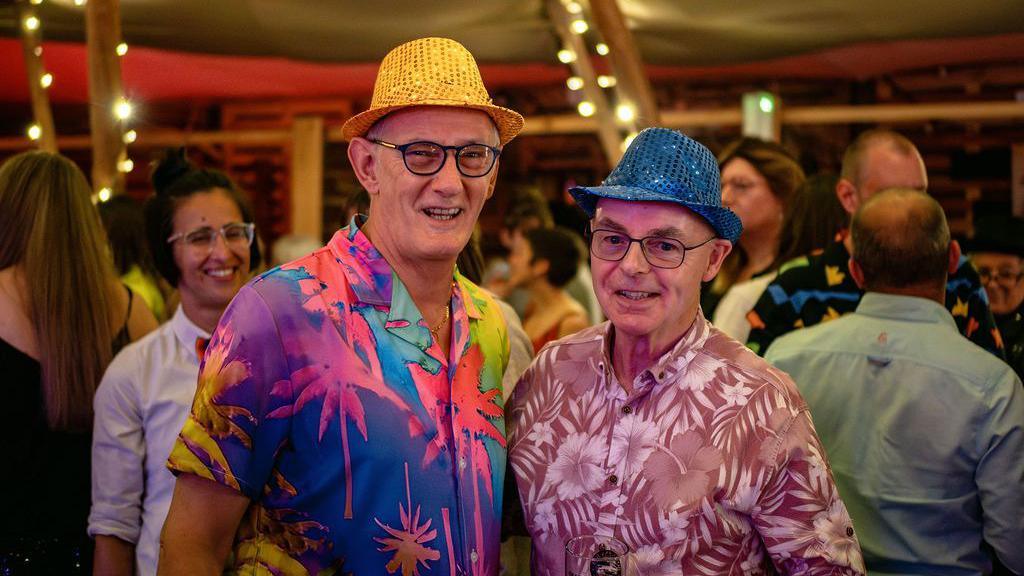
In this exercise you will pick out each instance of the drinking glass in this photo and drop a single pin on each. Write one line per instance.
(595, 556)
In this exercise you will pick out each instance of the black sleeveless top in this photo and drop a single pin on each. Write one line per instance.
(46, 479)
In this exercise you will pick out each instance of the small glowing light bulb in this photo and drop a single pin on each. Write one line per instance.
(574, 82)
(31, 23)
(122, 49)
(34, 132)
(625, 112)
(123, 109)
(130, 136)
(586, 108)
(602, 49)
(579, 26)
(574, 8)
(126, 165)
(46, 80)
(566, 56)
(606, 81)
(104, 194)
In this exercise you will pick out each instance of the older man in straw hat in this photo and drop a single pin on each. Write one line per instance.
(349, 411)
(655, 428)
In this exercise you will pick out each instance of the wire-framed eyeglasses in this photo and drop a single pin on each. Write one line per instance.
(1002, 276)
(237, 235)
(425, 158)
(660, 251)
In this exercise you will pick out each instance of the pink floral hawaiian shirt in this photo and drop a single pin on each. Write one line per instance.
(710, 466)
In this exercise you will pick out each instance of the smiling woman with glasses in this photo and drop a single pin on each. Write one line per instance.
(201, 235)
(427, 158)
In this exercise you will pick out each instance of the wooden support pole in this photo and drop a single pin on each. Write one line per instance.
(607, 133)
(103, 33)
(32, 50)
(629, 70)
(307, 170)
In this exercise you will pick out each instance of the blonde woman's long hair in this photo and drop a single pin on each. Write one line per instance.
(50, 228)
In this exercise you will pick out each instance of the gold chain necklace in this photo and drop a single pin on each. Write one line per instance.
(447, 314)
(436, 328)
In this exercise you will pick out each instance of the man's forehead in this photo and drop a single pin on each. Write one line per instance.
(996, 258)
(437, 123)
(649, 218)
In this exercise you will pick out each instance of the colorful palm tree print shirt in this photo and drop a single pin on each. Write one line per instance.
(710, 466)
(323, 398)
(817, 288)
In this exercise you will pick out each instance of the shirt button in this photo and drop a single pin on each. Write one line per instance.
(627, 409)
(462, 463)
(613, 479)
(473, 556)
(849, 531)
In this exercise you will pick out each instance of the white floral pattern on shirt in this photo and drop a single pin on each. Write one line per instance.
(710, 466)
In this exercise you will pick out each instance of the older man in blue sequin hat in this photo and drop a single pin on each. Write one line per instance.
(656, 429)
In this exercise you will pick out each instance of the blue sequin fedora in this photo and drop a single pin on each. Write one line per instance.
(663, 165)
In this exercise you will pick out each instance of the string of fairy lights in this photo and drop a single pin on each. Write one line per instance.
(625, 112)
(122, 109)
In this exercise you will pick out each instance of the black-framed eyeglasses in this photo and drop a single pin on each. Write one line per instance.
(1002, 276)
(426, 158)
(237, 235)
(660, 251)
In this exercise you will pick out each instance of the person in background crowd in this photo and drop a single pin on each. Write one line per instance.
(528, 211)
(126, 232)
(997, 252)
(65, 315)
(656, 428)
(759, 180)
(821, 288)
(543, 261)
(201, 231)
(813, 218)
(349, 416)
(924, 429)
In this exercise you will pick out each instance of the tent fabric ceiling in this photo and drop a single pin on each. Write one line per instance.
(232, 49)
(668, 32)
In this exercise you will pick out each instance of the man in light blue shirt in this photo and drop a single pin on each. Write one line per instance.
(924, 429)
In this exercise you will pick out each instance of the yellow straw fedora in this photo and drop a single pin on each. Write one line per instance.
(431, 72)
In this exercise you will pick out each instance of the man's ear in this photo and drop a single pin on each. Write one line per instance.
(954, 257)
(856, 272)
(540, 268)
(493, 180)
(848, 196)
(719, 250)
(360, 155)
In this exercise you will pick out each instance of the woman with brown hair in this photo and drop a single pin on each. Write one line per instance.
(758, 180)
(65, 315)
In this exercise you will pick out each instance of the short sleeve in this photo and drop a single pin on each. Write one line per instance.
(800, 498)
(118, 451)
(242, 409)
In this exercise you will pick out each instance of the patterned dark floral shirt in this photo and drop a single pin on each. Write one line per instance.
(817, 288)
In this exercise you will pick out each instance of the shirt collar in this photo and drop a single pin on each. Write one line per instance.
(669, 364)
(187, 331)
(368, 273)
(909, 308)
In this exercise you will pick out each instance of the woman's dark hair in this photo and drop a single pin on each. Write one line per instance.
(561, 247)
(779, 168)
(812, 219)
(126, 231)
(175, 179)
